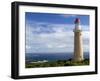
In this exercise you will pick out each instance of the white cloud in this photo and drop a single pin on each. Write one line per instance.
(28, 47)
(59, 39)
(50, 46)
(62, 46)
(66, 15)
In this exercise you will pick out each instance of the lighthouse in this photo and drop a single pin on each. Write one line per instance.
(78, 42)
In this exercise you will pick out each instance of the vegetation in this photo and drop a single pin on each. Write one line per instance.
(57, 63)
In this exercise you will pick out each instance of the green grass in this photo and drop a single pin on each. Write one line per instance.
(57, 63)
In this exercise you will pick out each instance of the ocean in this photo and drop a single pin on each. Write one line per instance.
(30, 57)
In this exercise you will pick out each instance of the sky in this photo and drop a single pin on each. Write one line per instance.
(53, 33)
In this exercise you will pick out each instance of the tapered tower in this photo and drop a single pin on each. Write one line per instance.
(78, 42)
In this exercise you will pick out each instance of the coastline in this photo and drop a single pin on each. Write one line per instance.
(58, 63)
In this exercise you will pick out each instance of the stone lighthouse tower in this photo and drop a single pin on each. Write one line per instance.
(78, 42)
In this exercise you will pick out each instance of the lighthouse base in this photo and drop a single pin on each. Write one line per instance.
(78, 59)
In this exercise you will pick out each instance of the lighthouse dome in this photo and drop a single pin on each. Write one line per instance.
(77, 20)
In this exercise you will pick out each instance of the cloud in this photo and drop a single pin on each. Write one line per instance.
(46, 37)
(28, 47)
(66, 15)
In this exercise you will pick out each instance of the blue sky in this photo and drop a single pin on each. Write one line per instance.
(50, 33)
(56, 18)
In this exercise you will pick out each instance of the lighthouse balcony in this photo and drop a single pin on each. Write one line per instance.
(77, 30)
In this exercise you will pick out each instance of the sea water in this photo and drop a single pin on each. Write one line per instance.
(30, 57)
